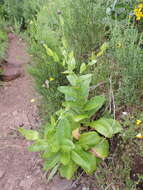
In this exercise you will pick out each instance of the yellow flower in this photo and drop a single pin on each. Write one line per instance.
(138, 12)
(139, 136)
(140, 5)
(32, 100)
(51, 79)
(138, 122)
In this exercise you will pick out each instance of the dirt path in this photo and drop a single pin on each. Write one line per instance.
(19, 169)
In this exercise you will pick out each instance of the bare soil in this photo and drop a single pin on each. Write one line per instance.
(20, 169)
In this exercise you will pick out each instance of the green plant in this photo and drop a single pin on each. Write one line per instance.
(46, 68)
(121, 9)
(73, 139)
(126, 51)
(83, 25)
(3, 39)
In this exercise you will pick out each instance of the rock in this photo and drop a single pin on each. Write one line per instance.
(10, 73)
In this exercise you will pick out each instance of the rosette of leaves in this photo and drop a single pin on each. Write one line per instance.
(73, 139)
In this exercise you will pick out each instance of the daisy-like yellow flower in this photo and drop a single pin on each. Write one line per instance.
(139, 136)
(138, 122)
(51, 79)
(138, 12)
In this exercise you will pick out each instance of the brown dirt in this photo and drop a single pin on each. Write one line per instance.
(20, 169)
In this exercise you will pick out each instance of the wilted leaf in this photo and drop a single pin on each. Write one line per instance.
(101, 150)
(76, 134)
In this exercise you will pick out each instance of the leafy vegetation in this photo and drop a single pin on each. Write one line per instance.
(102, 39)
(3, 40)
(74, 138)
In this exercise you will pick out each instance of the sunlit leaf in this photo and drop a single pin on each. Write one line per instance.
(83, 67)
(106, 127)
(39, 145)
(84, 159)
(29, 134)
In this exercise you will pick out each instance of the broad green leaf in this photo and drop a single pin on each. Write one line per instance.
(84, 159)
(82, 68)
(72, 79)
(78, 118)
(95, 103)
(49, 131)
(47, 154)
(89, 139)
(64, 129)
(67, 145)
(67, 90)
(55, 146)
(68, 171)
(71, 62)
(65, 157)
(51, 162)
(84, 82)
(106, 127)
(39, 145)
(101, 150)
(29, 134)
(70, 93)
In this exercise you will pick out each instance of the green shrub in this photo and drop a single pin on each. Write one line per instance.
(127, 54)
